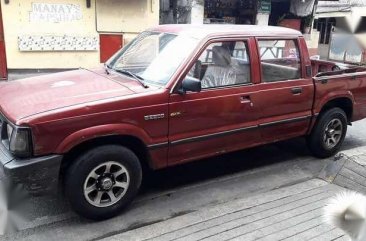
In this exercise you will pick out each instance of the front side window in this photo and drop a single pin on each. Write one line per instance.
(222, 64)
(154, 56)
(280, 60)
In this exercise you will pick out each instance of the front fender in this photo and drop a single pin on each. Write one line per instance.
(83, 135)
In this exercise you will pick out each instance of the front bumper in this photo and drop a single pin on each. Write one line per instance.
(37, 175)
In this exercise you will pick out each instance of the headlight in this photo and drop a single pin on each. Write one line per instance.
(19, 141)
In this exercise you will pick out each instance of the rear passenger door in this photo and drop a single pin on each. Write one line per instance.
(286, 95)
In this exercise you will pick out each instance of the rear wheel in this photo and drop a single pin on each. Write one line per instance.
(103, 181)
(328, 133)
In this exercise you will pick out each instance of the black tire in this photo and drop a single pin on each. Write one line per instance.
(76, 176)
(316, 141)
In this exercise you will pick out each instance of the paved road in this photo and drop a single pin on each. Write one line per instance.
(185, 189)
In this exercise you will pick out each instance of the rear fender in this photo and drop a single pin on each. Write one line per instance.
(332, 96)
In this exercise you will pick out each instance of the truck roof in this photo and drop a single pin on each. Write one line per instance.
(205, 30)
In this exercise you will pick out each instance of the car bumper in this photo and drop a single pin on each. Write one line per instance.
(39, 175)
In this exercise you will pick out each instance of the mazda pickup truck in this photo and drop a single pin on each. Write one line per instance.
(175, 94)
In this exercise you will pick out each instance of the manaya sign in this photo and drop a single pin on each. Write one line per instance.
(55, 12)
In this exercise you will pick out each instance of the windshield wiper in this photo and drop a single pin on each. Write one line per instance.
(107, 68)
(135, 76)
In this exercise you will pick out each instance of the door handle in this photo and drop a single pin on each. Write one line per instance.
(296, 90)
(246, 100)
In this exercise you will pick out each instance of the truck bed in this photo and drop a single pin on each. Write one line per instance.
(349, 83)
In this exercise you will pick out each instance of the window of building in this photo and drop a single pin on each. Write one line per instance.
(325, 28)
(222, 64)
(280, 60)
(230, 11)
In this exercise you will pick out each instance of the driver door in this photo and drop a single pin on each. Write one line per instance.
(223, 116)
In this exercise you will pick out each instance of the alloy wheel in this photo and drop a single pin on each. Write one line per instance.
(106, 184)
(333, 133)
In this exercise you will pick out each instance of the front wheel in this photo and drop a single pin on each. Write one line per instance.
(103, 181)
(328, 133)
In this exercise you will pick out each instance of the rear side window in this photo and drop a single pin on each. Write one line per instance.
(280, 60)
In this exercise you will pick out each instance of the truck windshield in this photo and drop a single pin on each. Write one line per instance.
(153, 56)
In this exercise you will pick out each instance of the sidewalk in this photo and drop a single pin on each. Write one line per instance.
(289, 213)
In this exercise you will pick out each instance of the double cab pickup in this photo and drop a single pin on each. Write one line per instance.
(175, 94)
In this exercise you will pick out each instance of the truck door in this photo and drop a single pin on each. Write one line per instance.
(286, 95)
(223, 116)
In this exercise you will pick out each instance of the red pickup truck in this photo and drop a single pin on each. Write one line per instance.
(174, 94)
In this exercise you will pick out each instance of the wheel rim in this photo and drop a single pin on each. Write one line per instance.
(333, 133)
(106, 184)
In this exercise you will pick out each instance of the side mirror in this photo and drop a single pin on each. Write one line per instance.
(190, 84)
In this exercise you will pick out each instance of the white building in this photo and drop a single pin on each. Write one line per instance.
(333, 21)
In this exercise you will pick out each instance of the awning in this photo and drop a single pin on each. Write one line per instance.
(338, 6)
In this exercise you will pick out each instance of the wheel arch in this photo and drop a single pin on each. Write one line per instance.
(131, 142)
(125, 135)
(344, 103)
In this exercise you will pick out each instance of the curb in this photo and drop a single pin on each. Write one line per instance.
(333, 167)
(345, 171)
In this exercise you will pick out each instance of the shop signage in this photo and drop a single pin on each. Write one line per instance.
(264, 6)
(58, 43)
(55, 12)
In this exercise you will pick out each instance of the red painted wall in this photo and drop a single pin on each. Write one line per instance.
(3, 65)
(109, 45)
(291, 23)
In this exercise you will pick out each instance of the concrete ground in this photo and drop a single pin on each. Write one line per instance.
(291, 212)
(270, 192)
(288, 213)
